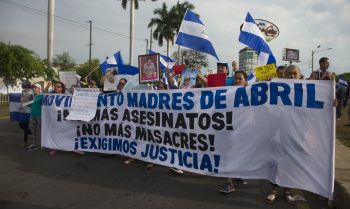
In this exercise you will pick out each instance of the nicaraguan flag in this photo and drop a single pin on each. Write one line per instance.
(164, 61)
(252, 36)
(118, 58)
(18, 112)
(343, 82)
(251, 78)
(193, 34)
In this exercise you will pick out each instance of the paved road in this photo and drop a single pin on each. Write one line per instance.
(35, 180)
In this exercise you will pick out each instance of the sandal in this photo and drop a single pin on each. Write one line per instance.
(289, 198)
(271, 198)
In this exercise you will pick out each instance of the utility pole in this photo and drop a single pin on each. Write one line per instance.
(150, 42)
(50, 32)
(131, 52)
(146, 45)
(90, 47)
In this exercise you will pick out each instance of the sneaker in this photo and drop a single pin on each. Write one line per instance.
(128, 161)
(229, 188)
(31, 147)
(242, 181)
(289, 198)
(53, 152)
(149, 165)
(79, 152)
(176, 170)
(271, 198)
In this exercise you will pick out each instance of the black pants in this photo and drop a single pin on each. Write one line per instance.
(25, 127)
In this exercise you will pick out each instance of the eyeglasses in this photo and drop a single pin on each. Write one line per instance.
(122, 84)
(58, 87)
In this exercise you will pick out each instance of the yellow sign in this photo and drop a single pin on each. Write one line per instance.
(266, 72)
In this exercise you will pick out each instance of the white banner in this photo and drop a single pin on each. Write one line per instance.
(84, 104)
(283, 131)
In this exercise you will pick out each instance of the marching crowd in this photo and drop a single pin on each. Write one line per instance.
(32, 127)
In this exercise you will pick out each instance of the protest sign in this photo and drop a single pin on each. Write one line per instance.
(188, 78)
(266, 72)
(84, 104)
(110, 81)
(282, 131)
(149, 66)
(69, 78)
(216, 80)
(27, 97)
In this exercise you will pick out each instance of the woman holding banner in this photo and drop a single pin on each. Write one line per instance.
(59, 88)
(239, 79)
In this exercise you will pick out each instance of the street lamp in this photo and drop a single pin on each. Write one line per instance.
(313, 53)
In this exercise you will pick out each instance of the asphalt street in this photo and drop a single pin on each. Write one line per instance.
(36, 180)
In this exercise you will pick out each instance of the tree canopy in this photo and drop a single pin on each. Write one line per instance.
(17, 62)
(83, 71)
(192, 58)
(64, 62)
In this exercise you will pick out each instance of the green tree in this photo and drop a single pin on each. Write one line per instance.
(192, 58)
(64, 62)
(84, 71)
(17, 62)
(165, 25)
(167, 22)
(180, 10)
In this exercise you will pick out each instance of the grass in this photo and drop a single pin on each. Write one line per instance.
(4, 110)
(343, 128)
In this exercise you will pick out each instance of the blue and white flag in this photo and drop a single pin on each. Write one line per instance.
(118, 58)
(193, 34)
(117, 61)
(252, 36)
(165, 61)
(343, 82)
(18, 112)
(251, 78)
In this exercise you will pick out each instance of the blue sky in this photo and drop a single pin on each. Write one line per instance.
(303, 25)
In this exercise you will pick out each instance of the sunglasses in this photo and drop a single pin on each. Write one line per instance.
(58, 87)
(122, 84)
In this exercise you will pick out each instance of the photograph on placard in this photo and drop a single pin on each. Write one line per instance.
(110, 81)
(188, 78)
(149, 68)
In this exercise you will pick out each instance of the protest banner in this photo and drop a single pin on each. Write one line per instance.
(282, 131)
(84, 104)
(266, 72)
(69, 78)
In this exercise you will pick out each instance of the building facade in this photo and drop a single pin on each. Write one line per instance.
(248, 59)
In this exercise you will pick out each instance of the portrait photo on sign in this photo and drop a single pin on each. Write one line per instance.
(110, 81)
(188, 78)
(27, 97)
(149, 68)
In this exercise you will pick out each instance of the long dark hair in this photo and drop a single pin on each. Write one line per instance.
(62, 85)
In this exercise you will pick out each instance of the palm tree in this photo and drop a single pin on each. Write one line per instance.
(165, 25)
(134, 4)
(180, 9)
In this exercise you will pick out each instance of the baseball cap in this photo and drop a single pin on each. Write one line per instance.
(37, 85)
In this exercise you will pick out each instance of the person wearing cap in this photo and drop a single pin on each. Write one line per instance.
(223, 68)
(35, 117)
